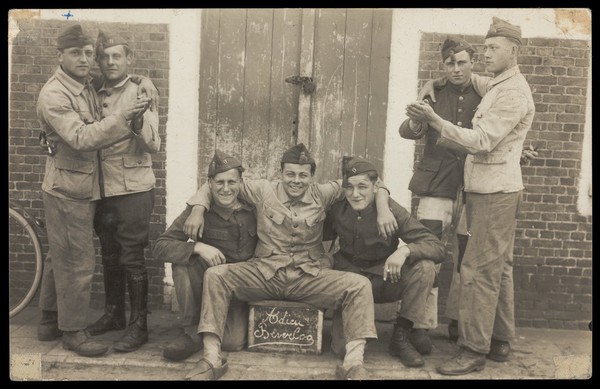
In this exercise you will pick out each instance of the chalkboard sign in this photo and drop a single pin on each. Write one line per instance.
(285, 326)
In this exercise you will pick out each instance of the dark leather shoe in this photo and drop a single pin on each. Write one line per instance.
(183, 347)
(420, 340)
(465, 362)
(48, 327)
(355, 373)
(453, 330)
(82, 344)
(499, 350)
(205, 371)
(400, 347)
(110, 321)
(134, 337)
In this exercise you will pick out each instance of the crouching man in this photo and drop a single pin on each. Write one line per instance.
(229, 237)
(397, 271)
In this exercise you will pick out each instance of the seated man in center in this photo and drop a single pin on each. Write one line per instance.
(397, 271)
(229, 237)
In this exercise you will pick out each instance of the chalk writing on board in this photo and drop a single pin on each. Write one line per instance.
(288, 330)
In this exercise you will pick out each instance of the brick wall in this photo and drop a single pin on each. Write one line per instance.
(34, 60)
(553, 246)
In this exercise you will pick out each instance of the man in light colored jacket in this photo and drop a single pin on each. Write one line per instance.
(69, 112)
(122, 218)
(494, 187)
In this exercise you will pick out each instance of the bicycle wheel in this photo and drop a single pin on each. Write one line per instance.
(25, 262)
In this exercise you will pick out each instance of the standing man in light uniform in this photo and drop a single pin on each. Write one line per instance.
(122, 218)
(494, 187)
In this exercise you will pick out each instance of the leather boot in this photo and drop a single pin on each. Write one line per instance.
(137, 333)
(114, 308)
(465, 362)
(48, 327)
(421, 341)
(400, 346)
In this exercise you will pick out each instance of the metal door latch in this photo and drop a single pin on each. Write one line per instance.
(308, 85)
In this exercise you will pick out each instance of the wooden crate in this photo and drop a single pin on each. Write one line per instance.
(285, 326)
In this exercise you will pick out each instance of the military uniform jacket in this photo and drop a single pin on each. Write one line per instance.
(362, 247)
(440, 171)
(495, 143)
(126, 166)
(69, 113)
(233, 234)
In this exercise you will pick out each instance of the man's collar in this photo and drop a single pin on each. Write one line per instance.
(505, 75)
(285, 199)
(460, 88)
(226, 213)
(104, 88)
(74, 86)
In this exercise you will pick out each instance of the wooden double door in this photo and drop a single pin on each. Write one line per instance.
(249, 110)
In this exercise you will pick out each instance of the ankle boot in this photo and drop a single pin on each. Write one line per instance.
(136, 333)
(114, 309)
(48, 327)
(401, 347)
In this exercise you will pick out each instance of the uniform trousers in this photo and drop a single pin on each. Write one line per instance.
(486, 298)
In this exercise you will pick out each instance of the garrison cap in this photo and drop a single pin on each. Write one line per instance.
(106, 40)
(453, 45)
(354, 166)
(73, 36)
(503, 28)
(299, 155)
(222, 162)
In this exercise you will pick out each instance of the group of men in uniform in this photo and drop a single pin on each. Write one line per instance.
(240, 240)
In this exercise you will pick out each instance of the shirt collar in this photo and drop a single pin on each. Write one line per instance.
(226, 213)
(505, 75)
(104, 88)
(285, 199)
(75, 87)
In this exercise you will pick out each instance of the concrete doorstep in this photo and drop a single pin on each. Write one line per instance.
(537, 354)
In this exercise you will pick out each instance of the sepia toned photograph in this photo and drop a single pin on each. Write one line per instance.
(281, 194)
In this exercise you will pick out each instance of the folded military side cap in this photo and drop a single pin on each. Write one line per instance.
(222, 162)
(73, 36)
(453, 45)
(298, 154)
(503, 28)
(107, 39)
(354, 166)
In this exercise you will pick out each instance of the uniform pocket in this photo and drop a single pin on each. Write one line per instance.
(315, 219)
(73, 177)
(137, 172)
(425, 172)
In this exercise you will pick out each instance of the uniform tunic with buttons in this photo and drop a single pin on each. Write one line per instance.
(126, 166)
(440, 172)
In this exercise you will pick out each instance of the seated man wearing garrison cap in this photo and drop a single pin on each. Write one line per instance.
(75, 127)
(494, 189)
(438, 177)
(229, 236)
(122, 219)
(397, 272)
(288, 263)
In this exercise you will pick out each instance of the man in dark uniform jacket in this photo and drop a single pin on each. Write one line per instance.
(229, 236)
(397, 271)
(438, 178)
